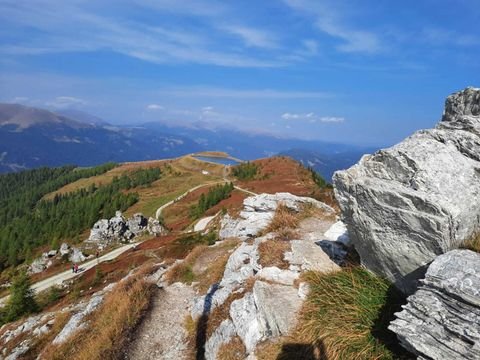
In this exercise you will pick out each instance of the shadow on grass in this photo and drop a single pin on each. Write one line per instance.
(201, 338)
(303, 352)
(395, 300)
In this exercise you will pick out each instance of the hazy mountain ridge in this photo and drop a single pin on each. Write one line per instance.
(31, 137)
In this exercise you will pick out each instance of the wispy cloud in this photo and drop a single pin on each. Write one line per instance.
(312, 117)
(63, 102)
(439, 37)
(328, 19)
(243, 93)
(253, 37)
(69, 26)
(155, 107)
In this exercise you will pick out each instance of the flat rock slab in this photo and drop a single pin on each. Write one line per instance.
(277, 306)
(308, 255)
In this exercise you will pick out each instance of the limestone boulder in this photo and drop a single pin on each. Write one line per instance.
(137, 224)
(154, 227)
(442, 319)
(76, 255)
(405, 205)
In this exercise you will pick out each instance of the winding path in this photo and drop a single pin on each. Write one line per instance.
(66, 275)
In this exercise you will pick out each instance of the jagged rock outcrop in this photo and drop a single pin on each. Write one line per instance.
(154, 227)
(118, 228)
(407, 204)
(442, 319)
(258, 212)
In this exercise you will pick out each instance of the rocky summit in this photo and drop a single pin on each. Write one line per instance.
(407, 204)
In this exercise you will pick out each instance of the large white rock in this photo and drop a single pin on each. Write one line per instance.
(442, 319)
(407, 204)
(258, 212)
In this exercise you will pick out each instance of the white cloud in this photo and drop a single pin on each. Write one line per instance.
(332, 119)
(62, 102)
(311, 117)
(20, 99)
(155, 107)
(254, 37)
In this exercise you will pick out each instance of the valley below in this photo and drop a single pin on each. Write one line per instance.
(206, 256)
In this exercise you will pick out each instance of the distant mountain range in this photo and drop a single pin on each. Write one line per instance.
(32, 137)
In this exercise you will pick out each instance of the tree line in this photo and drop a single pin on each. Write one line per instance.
(213, 197)
(245, 171)
(31, 224)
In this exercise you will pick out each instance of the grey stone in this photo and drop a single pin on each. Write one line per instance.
(222, 335)
(241, 265)
(442, 319)
(154, 227)
(407, 204)
(38, 265)
(76, 255)
(117, 228)
(137, 224)
(64, 249)
(309, 256)
(245, 318)
(76, 321)
(274, 274)
(277, 307)
(52, 253)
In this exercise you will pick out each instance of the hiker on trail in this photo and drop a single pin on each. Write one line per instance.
(76, 268)
(73, 268)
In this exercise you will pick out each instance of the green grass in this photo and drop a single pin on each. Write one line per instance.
(347, 314)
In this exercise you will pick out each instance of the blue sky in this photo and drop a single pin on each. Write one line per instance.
(363, 72)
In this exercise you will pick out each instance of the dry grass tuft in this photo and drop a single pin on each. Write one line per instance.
(182, 272)
(272, 252)
(233, 350)
(283, 218)
(346, 316)
(473, 243)
(109, 326)
(213, 274)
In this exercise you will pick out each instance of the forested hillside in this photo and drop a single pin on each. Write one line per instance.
(27, 221)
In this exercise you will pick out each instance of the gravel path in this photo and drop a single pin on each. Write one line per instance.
(162, 334)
